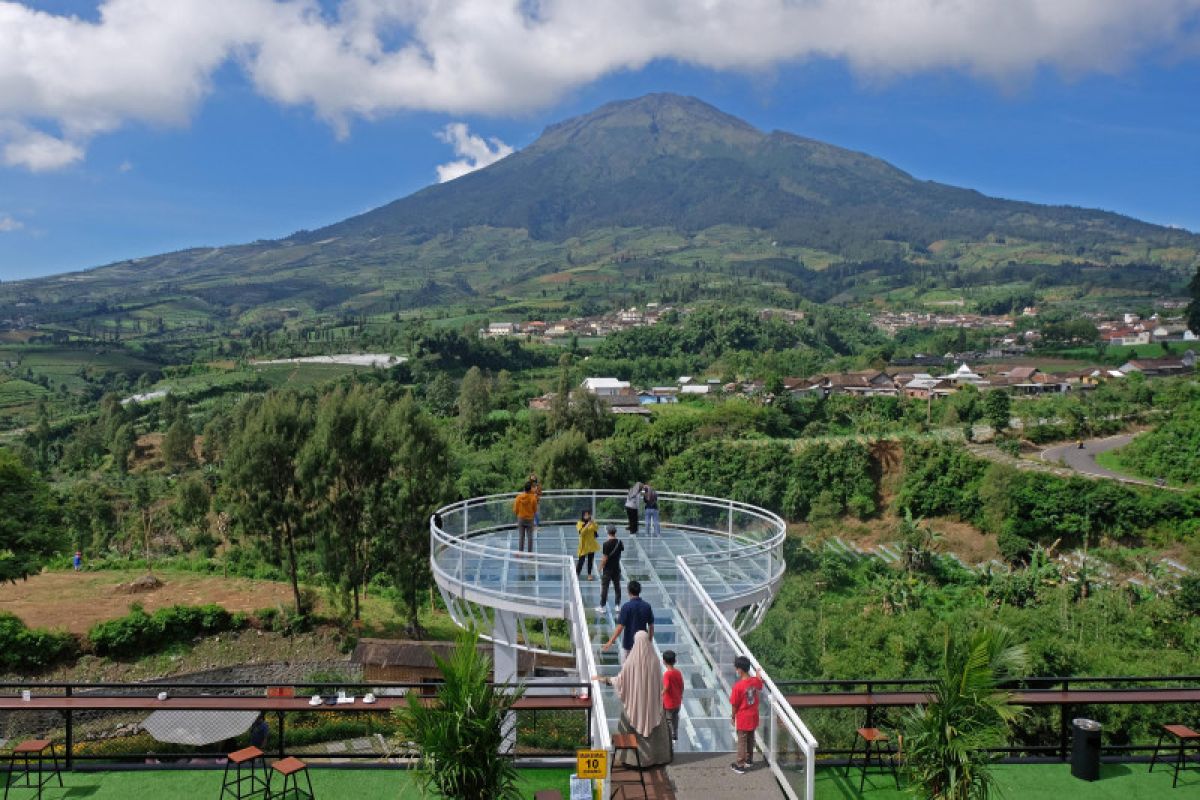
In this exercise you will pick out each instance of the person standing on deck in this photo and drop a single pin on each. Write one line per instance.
(610, 568)
(588, 546)
(672, 694)
(639, 688)
(632, 500)
(650, 498)
(635, 616)
(525, 507)
(745, 699)
(537, 492)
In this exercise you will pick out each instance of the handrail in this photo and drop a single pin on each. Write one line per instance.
(779, 703)
(763, 539)
(1015, 683)
(585, 662)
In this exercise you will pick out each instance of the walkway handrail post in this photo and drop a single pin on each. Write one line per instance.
(585, 661)
(780, 706)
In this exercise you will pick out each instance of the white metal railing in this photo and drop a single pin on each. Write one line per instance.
(585, 662)
(539, 583)
(744, 574)
(789, 746)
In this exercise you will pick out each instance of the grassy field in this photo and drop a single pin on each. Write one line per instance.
(1031, 782)
(361, 784)
(75, 601)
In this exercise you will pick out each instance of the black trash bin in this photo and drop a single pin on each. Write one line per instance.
(1085, 749)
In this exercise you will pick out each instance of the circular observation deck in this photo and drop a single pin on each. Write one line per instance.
(733, 550)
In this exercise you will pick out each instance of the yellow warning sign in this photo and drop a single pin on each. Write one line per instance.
(591, 763)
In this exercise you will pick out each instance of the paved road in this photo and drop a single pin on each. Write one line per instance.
(1084, 460)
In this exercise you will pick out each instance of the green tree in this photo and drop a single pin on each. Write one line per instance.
(419, 480)
(566, 461)
(440, 394)
(997, 410)
(474, 402)
(192, 500)
(462, 735)
(29, 531)
(590, 415)
(943, 740)
(343, 465)
(560, 405)
(179, 444)
(260, 482)
(121, 446)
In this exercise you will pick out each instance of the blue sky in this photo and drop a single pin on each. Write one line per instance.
(260, 148)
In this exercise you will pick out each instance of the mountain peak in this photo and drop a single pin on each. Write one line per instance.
(676, 162)
(665, 119)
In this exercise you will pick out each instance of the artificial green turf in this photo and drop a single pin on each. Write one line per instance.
(1033, 782)
(328, 784)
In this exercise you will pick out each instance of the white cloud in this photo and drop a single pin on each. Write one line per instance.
(476, 151)
(9, 225)
(152, 61)
(37, 151)
(125, 166)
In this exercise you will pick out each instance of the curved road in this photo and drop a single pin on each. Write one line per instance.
(1084, 460)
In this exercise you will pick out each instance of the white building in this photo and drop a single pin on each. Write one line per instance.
(964, 375)
(503, 329)
(606, 387)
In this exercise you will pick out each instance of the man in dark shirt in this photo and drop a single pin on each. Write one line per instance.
(636, 615)
(610, 568)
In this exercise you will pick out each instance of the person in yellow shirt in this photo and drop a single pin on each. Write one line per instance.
(588, 546)
(525, 507)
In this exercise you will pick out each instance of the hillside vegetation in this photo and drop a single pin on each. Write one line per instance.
(661, 192)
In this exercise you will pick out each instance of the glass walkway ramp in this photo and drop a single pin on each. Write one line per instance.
(710, 575)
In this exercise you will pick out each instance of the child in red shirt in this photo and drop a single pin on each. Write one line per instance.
(672, 693)
(745, 699)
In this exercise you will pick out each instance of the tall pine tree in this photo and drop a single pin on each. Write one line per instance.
(260, 482)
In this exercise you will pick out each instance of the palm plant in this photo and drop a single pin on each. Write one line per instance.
(463, 733)
(944, 740)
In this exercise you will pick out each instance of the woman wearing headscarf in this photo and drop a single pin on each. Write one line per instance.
(639, 687)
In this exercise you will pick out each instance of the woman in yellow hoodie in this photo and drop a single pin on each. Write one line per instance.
(588, 546)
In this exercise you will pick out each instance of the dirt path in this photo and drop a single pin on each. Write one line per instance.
(76, 601)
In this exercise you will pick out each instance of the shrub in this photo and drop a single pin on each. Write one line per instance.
(24, 649)
(138, 633)
(1009, 446)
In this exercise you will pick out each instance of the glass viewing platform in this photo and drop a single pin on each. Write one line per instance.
(710, 575)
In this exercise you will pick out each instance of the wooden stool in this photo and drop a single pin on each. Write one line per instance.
(548, 794)
(1182, 734)
(621, 778)
(31, 772)
(876, 741)
(241, 784)
(290, 768)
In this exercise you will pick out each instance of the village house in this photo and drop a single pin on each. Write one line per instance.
(1126, 337)
(965, 375)
(502, 329)
(862, 383)
(924, 386)
(1161, 367)
(606, 387)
